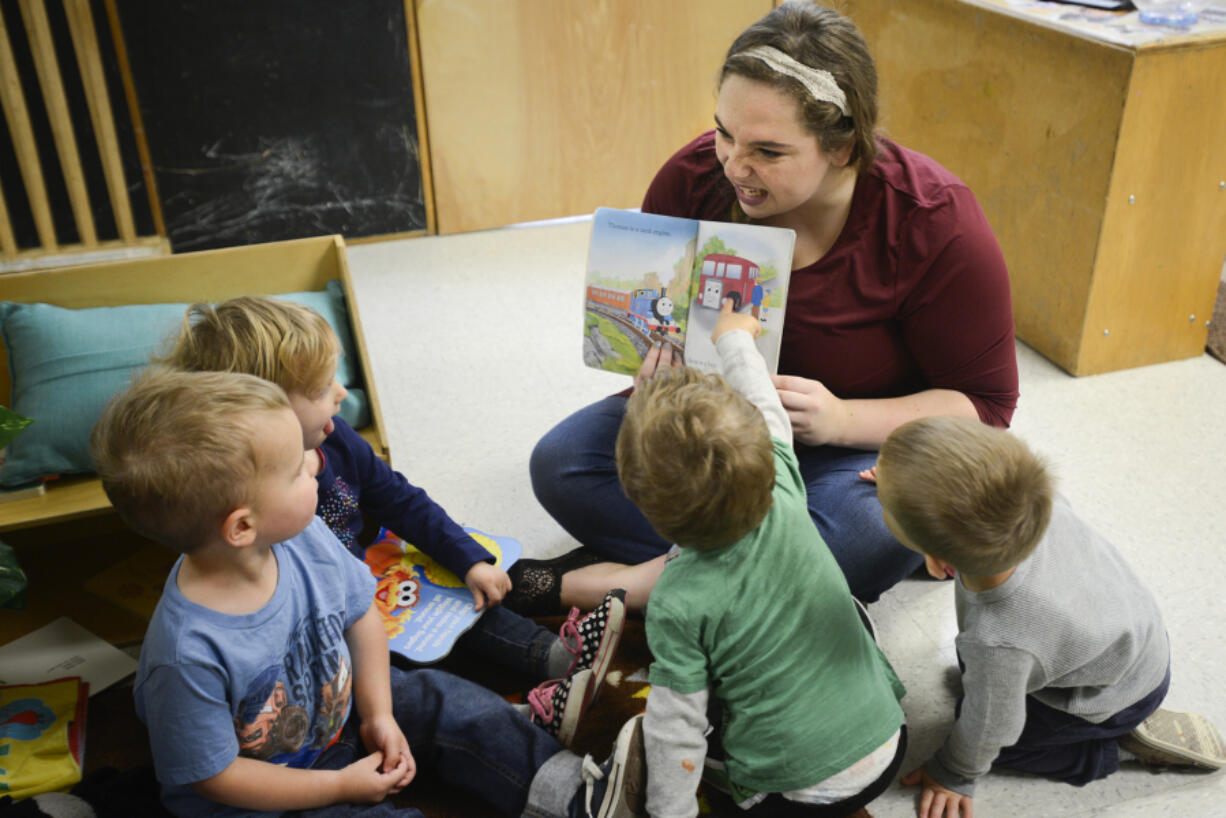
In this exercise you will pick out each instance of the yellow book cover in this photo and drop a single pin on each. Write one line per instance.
(41, 731)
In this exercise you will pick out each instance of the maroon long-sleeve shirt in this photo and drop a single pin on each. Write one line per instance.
(913, 295)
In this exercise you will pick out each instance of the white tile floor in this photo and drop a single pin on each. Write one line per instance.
(474, 341)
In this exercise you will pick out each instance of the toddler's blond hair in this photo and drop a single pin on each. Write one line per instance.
(286, 343)
(972, 495)
(177, 451)
(696, 458)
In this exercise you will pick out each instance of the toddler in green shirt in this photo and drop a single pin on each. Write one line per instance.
(763, 672)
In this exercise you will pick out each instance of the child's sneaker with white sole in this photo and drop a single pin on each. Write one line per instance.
(1172, 739)
(618, 787)
(593, 639)
(558, 705)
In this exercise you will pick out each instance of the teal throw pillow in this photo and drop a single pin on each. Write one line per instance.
(66, 364)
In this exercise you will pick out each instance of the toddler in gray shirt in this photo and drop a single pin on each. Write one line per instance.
(1063, 653)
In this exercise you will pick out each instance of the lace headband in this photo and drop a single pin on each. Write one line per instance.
(820, 84)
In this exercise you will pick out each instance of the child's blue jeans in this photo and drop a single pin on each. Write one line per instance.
(574, 476)
(1061, 746)
(510, 640)
(471, 739)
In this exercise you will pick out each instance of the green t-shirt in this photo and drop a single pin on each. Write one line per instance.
(768, 625)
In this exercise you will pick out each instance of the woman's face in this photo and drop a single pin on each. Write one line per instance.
(773, 162)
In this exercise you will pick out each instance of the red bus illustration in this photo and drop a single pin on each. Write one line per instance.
(725, 276)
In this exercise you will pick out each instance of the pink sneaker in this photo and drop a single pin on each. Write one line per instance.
(558, 705)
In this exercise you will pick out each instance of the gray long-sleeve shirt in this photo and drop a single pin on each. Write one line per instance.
(1073, 627)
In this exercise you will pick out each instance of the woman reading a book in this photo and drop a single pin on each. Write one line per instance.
(898, 306)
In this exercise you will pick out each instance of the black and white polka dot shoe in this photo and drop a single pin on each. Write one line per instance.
(558, 705)
(593, 639)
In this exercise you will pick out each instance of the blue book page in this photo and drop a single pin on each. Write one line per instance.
(425, 607)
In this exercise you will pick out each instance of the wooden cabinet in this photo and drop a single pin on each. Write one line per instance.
(549, 108)
(1101, 166)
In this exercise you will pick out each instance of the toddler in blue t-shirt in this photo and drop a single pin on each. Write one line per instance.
(264, 679)
(296, 348)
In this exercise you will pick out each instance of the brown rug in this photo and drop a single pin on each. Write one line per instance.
(1216, 345)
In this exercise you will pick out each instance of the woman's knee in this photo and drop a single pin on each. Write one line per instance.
(848, 515)
(581, 445)
(546, 463)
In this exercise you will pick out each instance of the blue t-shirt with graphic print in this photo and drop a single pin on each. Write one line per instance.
(276, 684)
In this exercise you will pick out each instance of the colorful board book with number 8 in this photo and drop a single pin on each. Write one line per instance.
(425, 607)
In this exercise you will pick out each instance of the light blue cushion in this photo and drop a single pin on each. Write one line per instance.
(66, 364)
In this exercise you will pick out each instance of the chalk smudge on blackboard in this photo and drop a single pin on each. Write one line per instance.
(289, 186)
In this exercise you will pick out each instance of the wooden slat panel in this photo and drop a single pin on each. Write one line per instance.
(18, 116)
(547, 109)
(138, 124)
(42, 48)
(8, 242)
(93, 78)
(105, 251)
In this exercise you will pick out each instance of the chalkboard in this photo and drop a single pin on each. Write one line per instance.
(277, 119)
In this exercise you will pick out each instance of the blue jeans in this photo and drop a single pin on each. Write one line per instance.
(471, 739)
(510, 640)
(1057, 745)
(574, 476)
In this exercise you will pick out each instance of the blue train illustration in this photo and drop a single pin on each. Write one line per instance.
(648, 309)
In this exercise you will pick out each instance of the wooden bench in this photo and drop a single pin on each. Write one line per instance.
(211, 275)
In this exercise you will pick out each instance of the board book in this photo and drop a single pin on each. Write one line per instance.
(42, 737)
(652, 277)
(425, 607)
